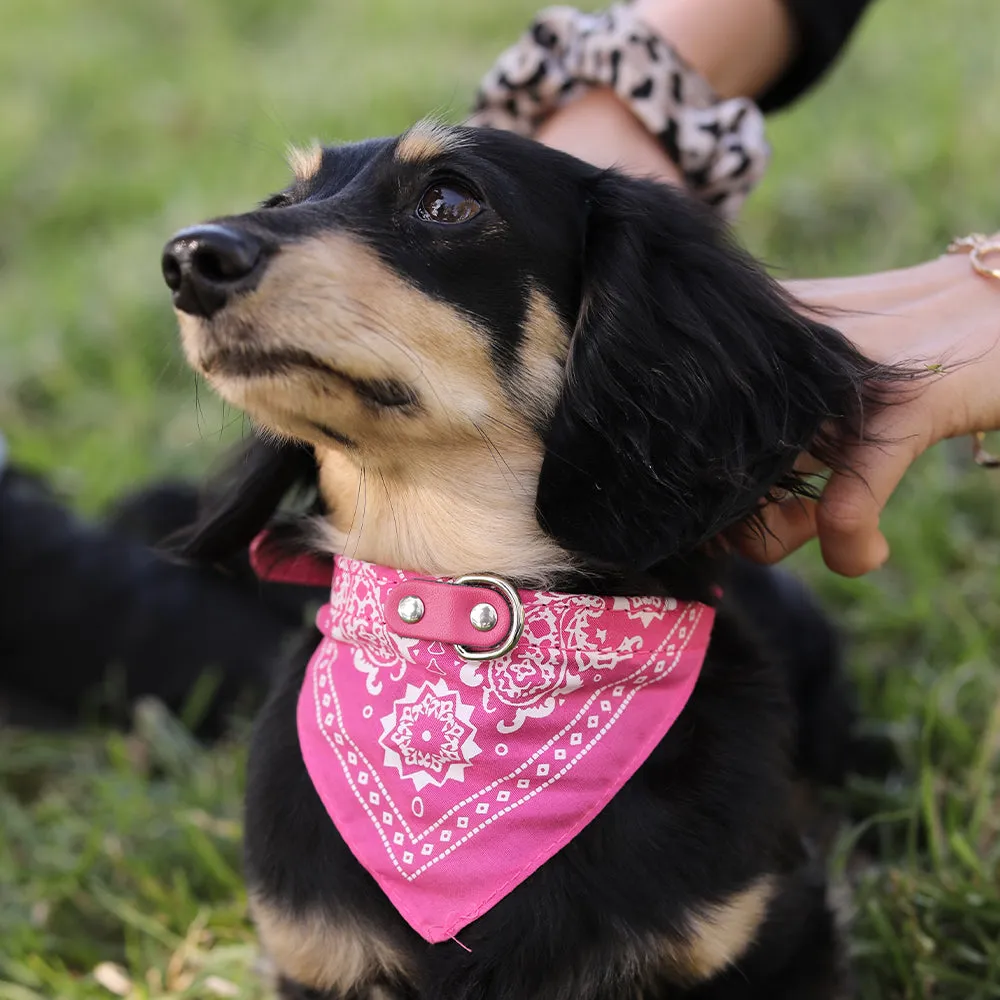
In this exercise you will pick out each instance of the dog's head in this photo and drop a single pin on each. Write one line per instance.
(503, 358)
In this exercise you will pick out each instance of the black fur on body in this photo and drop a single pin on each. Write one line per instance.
(648, 387)
(93, 618)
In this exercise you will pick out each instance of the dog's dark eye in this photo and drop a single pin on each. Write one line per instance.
(448, 204)
(279, 200)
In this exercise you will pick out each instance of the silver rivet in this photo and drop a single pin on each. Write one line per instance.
(483, 617)
(410, 609)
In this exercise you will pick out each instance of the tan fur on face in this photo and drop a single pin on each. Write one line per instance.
(317, 953)
(305, 161)
(443, 507)
(447, 490)
(334, 298)
(719, 935)
(543, 354)
(427, 140)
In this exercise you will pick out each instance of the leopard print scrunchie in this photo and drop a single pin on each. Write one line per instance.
(719, 146)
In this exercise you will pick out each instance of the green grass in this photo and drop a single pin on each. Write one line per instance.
(121, 121)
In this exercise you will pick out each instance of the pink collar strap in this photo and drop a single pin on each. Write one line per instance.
(460, 733)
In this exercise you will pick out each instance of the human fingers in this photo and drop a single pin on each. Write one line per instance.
(779, 530)
(848, 512)
(846, 518)
(781, 525)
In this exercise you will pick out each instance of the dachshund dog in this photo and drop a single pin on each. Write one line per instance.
(486, 355)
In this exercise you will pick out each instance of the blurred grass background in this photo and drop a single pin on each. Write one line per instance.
(122, 121)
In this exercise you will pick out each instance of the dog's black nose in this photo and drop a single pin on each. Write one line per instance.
(204, 266)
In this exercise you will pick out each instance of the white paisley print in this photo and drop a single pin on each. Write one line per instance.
(428, 736)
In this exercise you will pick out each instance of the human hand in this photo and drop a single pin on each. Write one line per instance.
(940, 316)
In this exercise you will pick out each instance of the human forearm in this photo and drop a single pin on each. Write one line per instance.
(598, 128)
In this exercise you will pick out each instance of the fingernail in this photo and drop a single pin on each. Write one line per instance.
(881, 551)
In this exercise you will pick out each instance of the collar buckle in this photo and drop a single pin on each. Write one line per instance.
(509, 593)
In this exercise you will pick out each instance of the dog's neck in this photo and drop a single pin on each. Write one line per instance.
(470, 508)
(462, 509)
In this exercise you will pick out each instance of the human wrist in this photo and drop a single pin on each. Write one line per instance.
(600, 128)
(937, 301)
(718, 145)
(879, 294)
(941, 320)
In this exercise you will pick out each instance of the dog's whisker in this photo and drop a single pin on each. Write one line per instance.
(392, 509)
(199, 414)
(354, 513)
(364, 511)
(366, 317)
(412, 355)
(373, 323)
(498, 457)
(238, 418)
(164, 368)
(506, 425)
(492, 452)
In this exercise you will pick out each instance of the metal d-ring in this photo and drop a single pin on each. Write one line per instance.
(509, 593)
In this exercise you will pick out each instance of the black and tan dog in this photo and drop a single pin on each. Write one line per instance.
(492, 356)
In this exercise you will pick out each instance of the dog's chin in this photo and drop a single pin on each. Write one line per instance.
(289, 396)
(195, 335)
(294, 408)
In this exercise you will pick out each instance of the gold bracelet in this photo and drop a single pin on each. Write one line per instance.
(978, 246)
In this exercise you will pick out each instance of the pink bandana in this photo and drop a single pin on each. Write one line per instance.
(452, 780)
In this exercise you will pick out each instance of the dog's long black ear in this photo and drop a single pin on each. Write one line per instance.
(692, 384)
(242, 501)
